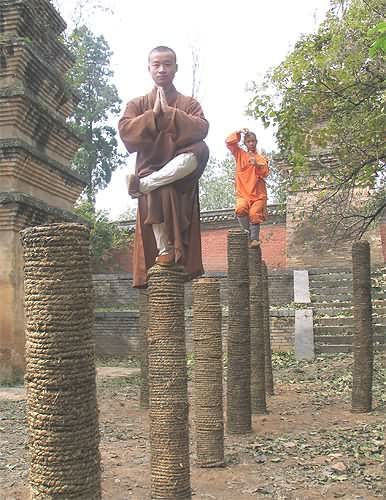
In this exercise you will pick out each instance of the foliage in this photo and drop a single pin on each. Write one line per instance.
(129, 214)
(105, 235)
(327, 96)
(277, 182)
(84, 10)
(217, 184)
(90, 77)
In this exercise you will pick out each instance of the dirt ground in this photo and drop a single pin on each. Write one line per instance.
(309, 446)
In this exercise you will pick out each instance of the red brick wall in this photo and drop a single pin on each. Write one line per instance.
(214, 250)
(214, 247)
(119, 260)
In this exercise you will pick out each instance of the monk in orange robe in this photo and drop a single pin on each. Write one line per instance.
(166, 129)
(251, 192)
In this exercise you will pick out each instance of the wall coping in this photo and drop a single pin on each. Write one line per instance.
(223, 216)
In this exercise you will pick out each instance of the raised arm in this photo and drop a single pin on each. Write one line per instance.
(232, 143)
(137, 130)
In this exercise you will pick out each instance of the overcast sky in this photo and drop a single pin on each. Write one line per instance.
(237, 43)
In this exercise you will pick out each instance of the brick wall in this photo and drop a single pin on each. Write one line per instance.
(282, 329)
(116, 331)
(116, 334)
(113, 290)
(214, 247)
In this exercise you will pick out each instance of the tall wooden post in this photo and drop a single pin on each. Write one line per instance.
(169, 425)
(239, 338)
(267, 333)
(207, 373)
(258, 398)
(363, 329)
(62, 411)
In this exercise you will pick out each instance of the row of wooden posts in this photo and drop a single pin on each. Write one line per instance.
(164, 364)
(60, 365)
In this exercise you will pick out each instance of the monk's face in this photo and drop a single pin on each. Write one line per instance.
(162, 68)
(250, 142)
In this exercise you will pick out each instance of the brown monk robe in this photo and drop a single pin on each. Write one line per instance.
(158, 137)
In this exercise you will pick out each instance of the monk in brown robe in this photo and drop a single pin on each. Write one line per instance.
(166, 129)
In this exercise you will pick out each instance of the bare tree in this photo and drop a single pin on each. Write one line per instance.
(195, 70)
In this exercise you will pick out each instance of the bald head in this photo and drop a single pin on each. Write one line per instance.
(162, 66)
(162, 49)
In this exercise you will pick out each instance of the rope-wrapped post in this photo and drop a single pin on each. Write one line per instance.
(258, 397)
(267, 333)
(363, 329)
(62, 413)
(169, 425)
(207, 373)
(142, 327)
(239, 338)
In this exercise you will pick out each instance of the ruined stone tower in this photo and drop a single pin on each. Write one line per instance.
(36, 147)
(310, 242)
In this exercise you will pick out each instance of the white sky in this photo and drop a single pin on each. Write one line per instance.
(237, 44)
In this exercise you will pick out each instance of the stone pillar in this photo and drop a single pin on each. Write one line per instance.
(36, 149)
(168, 391)
(62, 413)
(207, 373)
(267, 333)
(239, 338)
(142, 327)
(304, 323)
(363, 329)
(258, 398)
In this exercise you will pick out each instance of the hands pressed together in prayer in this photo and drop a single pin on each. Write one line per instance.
(161, 104)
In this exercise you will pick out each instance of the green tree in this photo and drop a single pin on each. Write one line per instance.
(129, 214)
(328, 96)
(91, 77)
(105, 235)
(217, 184)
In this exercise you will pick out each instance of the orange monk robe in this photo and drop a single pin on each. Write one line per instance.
(156, 141)
(251, 192)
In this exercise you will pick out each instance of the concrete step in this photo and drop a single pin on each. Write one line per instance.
(378, 304)
(332, 305)
(333, 290)
(345, 330)
(334, 321)
(322, 298)
(343, 339)
(324, 349)
(329, 284)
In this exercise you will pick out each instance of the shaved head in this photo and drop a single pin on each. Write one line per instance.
(163, 48)
(250, 135)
